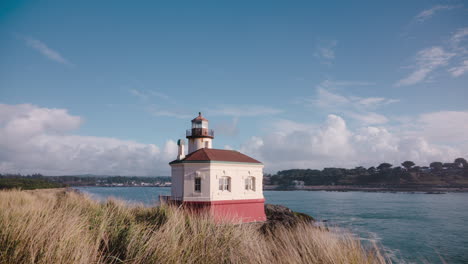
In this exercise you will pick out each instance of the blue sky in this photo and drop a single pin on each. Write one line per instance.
(324, 82)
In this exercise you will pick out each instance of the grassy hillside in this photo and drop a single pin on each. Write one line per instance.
(58, 226)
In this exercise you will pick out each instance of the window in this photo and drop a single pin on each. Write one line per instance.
(198, 184)
(250, 183)
(225, 183)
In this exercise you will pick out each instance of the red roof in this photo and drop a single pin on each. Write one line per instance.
(206, 154)
(199, 118)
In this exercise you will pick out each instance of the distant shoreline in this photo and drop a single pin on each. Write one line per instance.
(350, 188)
(343, 188)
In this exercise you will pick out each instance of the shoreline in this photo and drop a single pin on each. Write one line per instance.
(350, 188)
(345, 188)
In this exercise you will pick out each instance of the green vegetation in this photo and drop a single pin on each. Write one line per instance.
(58, 226)
(437, 174)
(26, 183)
(34, 181)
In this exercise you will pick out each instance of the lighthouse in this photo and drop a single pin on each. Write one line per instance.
(225, 183)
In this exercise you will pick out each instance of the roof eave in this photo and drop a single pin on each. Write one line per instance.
(213, 161)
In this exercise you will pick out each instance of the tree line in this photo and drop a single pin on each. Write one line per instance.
(407, 173)
(37, 180)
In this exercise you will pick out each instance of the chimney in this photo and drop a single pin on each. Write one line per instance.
(181, 153)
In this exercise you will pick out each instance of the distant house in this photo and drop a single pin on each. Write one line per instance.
(298, 184)
(226, 183)
(425, 169)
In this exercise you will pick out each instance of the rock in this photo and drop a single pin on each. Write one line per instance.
(278, 215)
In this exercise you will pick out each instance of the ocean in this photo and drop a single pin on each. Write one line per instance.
(410, 227)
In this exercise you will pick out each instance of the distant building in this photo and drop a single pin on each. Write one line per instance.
(226, 183)
(298, 184)
(425, 169)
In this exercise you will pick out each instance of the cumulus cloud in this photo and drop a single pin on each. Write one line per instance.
(444, 126)
(333, 144)
(35, 139)
(46, 51)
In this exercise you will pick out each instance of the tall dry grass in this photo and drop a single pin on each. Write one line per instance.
(59, 226)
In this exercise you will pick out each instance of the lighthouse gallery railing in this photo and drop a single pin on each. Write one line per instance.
(200, 132)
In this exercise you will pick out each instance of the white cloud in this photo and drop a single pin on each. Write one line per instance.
(35, 139)
(444, 126)
(374, 101)
(333, 144)
(428, 13)
(160, 95)
(459, 43)
(459, 36)
(430, 59)
(359, 108)
(46, 51)
(458, 71)
(228, 147)
(427, 60)
(327, 99)
(325, 51)
(145, 95)
(139, 94)
(243, 110)
(155, 111)
(285, 126)
(228, 128)
(332, 83)
(369, 118)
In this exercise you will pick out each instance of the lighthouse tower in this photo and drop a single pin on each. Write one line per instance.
(226, 183)
(199, 136)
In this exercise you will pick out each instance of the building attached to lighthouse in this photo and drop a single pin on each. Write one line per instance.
(226, 183)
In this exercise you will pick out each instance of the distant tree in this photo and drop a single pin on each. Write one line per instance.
(408, 164)
(461, 162)
(384, 166)
(436, 165)
(371, 170)
(449, 165)
(359, 170)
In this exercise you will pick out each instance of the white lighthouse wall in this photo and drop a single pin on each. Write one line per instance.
(198, 143)
(210, 174)
(238, 173)
(177, 179)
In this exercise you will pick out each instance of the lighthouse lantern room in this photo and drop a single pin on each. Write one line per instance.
(199, 136)
(226, 183)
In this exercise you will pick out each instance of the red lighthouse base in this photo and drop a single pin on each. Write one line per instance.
(244, 211)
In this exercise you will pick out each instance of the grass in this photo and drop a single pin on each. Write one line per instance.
(60, 226)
